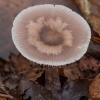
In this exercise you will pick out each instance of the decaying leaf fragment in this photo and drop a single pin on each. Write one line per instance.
(36, 92)
(88, 62)
(72, 90)
(89, 66)
(91, 11)
(20, 87)
(95, 88)
(72, 71)
(86, 67)
(76, 90)
(23, 66)
(94, 49)
(95, 22)
(12, 85)
(84, 6)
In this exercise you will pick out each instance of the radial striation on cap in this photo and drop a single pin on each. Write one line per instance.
(51, 34)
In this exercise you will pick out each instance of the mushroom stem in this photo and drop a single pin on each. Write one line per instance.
(52, 78)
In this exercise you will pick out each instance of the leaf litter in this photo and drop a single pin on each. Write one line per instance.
(21, 79)
(71, 82)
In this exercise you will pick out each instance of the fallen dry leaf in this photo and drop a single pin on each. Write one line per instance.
(94, 88)
(36, 92)
(86, 67)
(4, 94)
(94, 49)
(12, 85)
(72, 71)
(84, 6)
(27, 88)
(23, 66)
(91, 11)
(13, 81)
(72, 90)
(89, 66)
(76, 90)
(88, 62)
(20, 87)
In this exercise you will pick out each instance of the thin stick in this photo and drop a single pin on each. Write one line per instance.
(6, 96)
(96, 39)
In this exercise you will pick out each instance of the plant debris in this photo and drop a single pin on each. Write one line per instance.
(91, 11)
(21, 79)
(86, 67)
(95, 88)
(72, 72)
(6, 96)
(23, 66)
(89, 66)
(73, 91)
(70, 82)
(94, 49)
(36, 92)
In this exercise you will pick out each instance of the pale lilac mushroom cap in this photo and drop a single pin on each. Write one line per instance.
(51, 34)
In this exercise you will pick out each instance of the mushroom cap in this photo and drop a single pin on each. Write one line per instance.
(38, 44)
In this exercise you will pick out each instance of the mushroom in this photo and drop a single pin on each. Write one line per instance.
(51, 34)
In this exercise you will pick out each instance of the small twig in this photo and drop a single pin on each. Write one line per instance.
(96, 39)
(6, 96)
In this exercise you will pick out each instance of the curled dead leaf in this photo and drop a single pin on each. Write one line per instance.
(72, 71)
(91, 11)
(86, 67)
(89, 66)
(94, 88)
(84, 6)
(36, 92)
(94, 49)
(23, 66)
